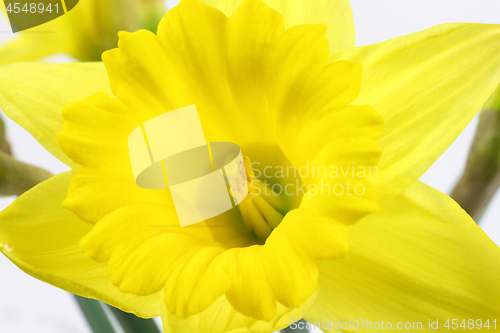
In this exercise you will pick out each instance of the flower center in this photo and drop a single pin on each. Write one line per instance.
(262, 208)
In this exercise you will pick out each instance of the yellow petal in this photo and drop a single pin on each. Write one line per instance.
(222, 318)
(123, 225)
(420, 257)
(44, 242)
(336, 14)
(248, 58)
(152, 73)
(95, 136)
(339, 152)
(34, 94)
(427, 86)
(288, 249)
(233, 70)
(283, 271)
(148, 250)
(314, 91)
(28, 47)
(39, 42)
(98, 136)
(206, 71)
(93, 194)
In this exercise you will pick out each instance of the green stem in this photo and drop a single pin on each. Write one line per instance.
(4, 144)
(481, 177)
(17, 177)
(302, 323)
(133, 324)
(95, 315)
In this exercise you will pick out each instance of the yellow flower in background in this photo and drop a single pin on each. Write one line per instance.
(85, 32)
(284, 82)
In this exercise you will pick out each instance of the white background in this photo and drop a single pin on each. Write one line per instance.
(28, 305)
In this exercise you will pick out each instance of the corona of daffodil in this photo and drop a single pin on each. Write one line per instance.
(284, 81)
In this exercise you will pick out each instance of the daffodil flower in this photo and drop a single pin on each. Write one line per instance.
(283, 80)
(84, 32)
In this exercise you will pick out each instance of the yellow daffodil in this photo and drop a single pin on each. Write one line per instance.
(85, 31)
(282, 80)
